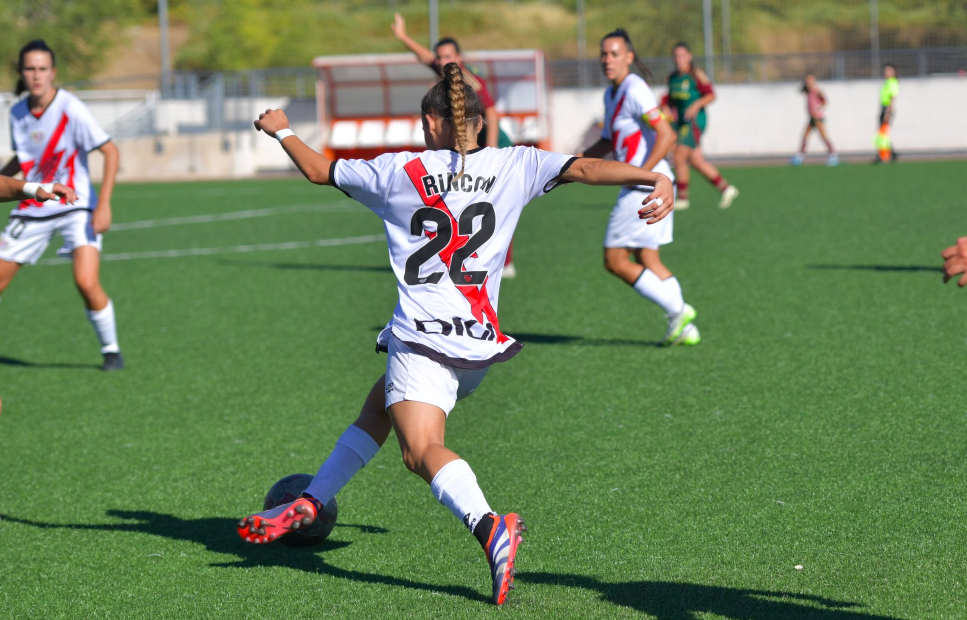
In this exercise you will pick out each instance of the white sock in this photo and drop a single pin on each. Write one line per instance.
(103, 322)
(354, 449)
(666, 293)
(455, 486)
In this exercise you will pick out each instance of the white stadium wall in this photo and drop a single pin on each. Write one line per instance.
(766, 120)
(746, 120)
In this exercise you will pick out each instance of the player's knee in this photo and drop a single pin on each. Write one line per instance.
(413, 458)
(88, 285)
(615, 264)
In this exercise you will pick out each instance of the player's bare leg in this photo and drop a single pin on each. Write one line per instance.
(420, 428)
(7, 271)
(100, 310)
(355, 448)
(797, 159)
(833, 158)
(682, 175)
(710, 172)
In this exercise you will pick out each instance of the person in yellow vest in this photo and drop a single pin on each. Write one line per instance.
(888, 94)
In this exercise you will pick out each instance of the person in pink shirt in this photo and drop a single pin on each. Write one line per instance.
(815, 105)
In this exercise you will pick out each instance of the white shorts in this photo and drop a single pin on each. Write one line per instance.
(411, 376)
(626, 230)
(25, 239)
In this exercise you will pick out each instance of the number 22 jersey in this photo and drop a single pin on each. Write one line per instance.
(448, 235)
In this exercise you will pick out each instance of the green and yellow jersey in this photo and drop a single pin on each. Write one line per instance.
(889, 90)
(684, 89)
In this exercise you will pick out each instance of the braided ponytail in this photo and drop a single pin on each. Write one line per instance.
(458, 110)
(453, 99)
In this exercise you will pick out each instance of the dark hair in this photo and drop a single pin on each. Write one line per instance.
(37, 45)
(805, 89)
(454, 100)
(621, 33)
(684, 46)
(447, 41)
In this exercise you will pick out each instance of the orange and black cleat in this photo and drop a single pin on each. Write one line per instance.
(500, 535)
(268, 525)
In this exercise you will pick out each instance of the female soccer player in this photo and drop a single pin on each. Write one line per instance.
(815, 106)
(52, 135)
(689, 92)
(637, 133)
(445, 51)
(888, 94)
(449, 213)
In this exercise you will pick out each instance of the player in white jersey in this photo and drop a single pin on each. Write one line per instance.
(637, 133)
(52, 133)
(449, 214)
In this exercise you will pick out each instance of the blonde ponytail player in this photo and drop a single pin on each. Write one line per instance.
(449, 214)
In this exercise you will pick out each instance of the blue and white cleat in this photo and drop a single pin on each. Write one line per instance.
(500, 535)
(267, 526)
(796, 160)
(832, 160)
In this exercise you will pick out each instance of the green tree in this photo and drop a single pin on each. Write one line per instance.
(81, 32)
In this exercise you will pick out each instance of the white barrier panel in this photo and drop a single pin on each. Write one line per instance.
(766, 120)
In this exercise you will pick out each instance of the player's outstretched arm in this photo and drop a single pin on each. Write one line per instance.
(311, 164)
(658, 203)
(14, 189)
(955, 262)
(399, 31)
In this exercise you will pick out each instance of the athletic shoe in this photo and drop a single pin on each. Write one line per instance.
(268, 525)
(112, 361)
(690, 336)
(681, 205)
(730, 194)
(677, 324)
(510, 272)
(796, 160)
(832, 160)
(499, 535)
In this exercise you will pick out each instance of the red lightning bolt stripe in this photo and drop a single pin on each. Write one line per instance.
(478, 298)
(49, 161)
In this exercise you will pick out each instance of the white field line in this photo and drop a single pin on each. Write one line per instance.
(233, 249)
(233, 215)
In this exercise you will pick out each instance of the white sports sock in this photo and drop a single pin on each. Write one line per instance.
(103, 322)
(666, 293)
(354, 449)
(455, 486)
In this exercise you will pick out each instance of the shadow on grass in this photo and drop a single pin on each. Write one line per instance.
(581, 341)
(308, 266)
(10, 361)
(218, 535)
(685, 601)
(897, 268)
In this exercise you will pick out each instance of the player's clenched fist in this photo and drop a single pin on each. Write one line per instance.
(57, 192)
(955, 262)
(659, 203)
(272, 121)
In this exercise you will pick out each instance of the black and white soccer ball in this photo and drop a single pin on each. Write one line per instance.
(289, 489)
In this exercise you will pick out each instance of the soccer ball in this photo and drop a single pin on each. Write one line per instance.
(290, 489)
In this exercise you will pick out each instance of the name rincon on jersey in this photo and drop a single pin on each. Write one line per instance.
(451, 182)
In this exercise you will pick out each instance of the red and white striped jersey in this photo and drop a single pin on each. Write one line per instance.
(629, 111)
(54, 148)
(447, 237)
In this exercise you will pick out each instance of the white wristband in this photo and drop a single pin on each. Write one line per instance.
(282, 134)
(30, 189)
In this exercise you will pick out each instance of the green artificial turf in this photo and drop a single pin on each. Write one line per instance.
(820, 424)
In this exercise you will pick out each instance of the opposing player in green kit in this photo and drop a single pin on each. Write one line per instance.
(689, 91)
